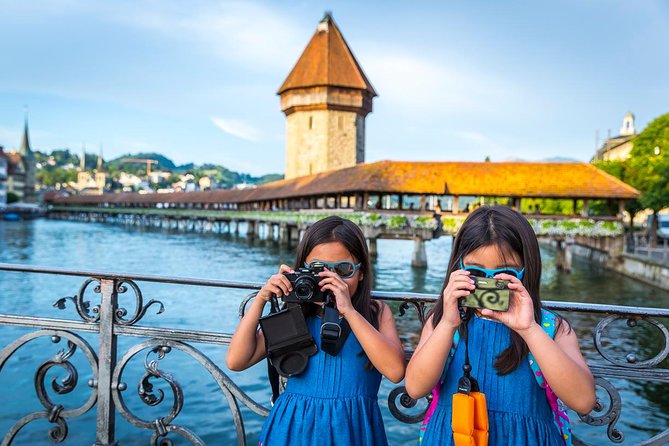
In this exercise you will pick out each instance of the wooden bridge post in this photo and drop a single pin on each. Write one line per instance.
(563, 258)
(371, 244)
(284, 238)
(569, 243)
(419, 257)
(250, 229)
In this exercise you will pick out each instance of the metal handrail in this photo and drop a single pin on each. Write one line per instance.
(384, 295)
(109, 321)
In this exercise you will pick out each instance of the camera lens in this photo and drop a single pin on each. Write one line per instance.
(304, 288)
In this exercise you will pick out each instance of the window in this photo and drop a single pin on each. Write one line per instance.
(311, 122)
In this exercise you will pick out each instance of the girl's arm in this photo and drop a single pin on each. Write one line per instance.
(563, 366)
(560, 360)
(247, 346)
(428, 360)
(382, 347)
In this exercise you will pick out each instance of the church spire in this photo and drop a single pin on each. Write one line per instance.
(25, 143)
(100, 159)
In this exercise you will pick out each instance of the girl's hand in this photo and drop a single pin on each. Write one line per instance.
(459, 285)
(278, 285)
(520, 316)
(336, 285)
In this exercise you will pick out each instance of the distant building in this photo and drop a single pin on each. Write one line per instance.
(21, 170)
(90, 183)
(4, 164)
(204, 183)
(618, 147)
(129, 181)
(326, 98)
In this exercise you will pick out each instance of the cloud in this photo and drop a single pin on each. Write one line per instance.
(242, 32)
(237, 128)
(422, 83)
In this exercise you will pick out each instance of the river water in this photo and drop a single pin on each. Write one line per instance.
(94, 246)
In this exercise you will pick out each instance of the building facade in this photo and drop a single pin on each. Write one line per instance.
(325, 98)
(619, 147)
(21, 171)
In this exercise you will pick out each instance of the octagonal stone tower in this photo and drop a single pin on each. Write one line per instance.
(326, 98)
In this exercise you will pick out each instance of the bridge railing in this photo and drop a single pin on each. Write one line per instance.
(107, 320)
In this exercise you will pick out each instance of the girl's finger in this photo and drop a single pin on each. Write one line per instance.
(286, 282)
(334, 290)
(507, 277)
(491, 313)
(460, 293)
(282, 286)
(460, 272)
(274, 289)
(285, 269)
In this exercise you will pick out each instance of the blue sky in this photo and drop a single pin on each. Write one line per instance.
(196, 80)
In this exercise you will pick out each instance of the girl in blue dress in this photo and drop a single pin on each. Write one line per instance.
(499, 242)
(334, 400)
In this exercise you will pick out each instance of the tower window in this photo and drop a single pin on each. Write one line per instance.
(311, 122)
(341, 122)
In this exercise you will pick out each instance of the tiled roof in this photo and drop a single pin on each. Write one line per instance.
(327, 61)
(513, 179)
(15, 160)
(510, 179)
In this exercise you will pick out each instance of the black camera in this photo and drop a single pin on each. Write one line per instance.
(305, 285)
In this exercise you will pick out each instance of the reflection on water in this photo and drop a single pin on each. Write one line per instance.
(153, 251)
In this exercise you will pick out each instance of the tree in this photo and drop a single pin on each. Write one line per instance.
(649, 168)
(621, 170)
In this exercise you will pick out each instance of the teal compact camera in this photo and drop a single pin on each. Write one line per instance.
(492, 294)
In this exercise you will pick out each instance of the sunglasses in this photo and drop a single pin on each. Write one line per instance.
(344, 269)
(490, 273)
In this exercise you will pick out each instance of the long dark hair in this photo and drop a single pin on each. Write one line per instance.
(510, 232)
(337, 229)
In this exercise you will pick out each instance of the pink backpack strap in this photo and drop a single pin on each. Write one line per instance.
(437, 388)
(549, 325)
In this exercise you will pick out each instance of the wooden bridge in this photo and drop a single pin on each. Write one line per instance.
(388, 199)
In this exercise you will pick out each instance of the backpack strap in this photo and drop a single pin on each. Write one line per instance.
(437, 388)
(549, 325)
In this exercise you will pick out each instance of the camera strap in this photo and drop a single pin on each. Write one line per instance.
(469, 419)
(333, 332)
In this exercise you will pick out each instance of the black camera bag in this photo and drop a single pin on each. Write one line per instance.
(288, 341)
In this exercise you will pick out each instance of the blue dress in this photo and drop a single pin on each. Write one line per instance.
(518, 410)
(333, 402)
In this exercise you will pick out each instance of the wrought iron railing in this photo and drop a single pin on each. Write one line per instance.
(109, 320)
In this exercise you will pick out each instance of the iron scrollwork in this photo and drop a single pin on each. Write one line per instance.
(406, 402)
(54, 413)
(420, 309)
(631, 360)
(92, 314)
(140, 309)
(611, 415)
(162, 426)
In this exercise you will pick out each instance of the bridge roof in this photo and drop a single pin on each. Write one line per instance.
(513, 179)
(509, 179)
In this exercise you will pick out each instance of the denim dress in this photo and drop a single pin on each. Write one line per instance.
(333, 402)
(518, 410)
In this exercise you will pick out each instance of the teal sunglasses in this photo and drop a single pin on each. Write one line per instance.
(482, 272)
(344, 269)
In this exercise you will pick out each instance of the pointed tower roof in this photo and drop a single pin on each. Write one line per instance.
(25, 150)
(327, 61)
